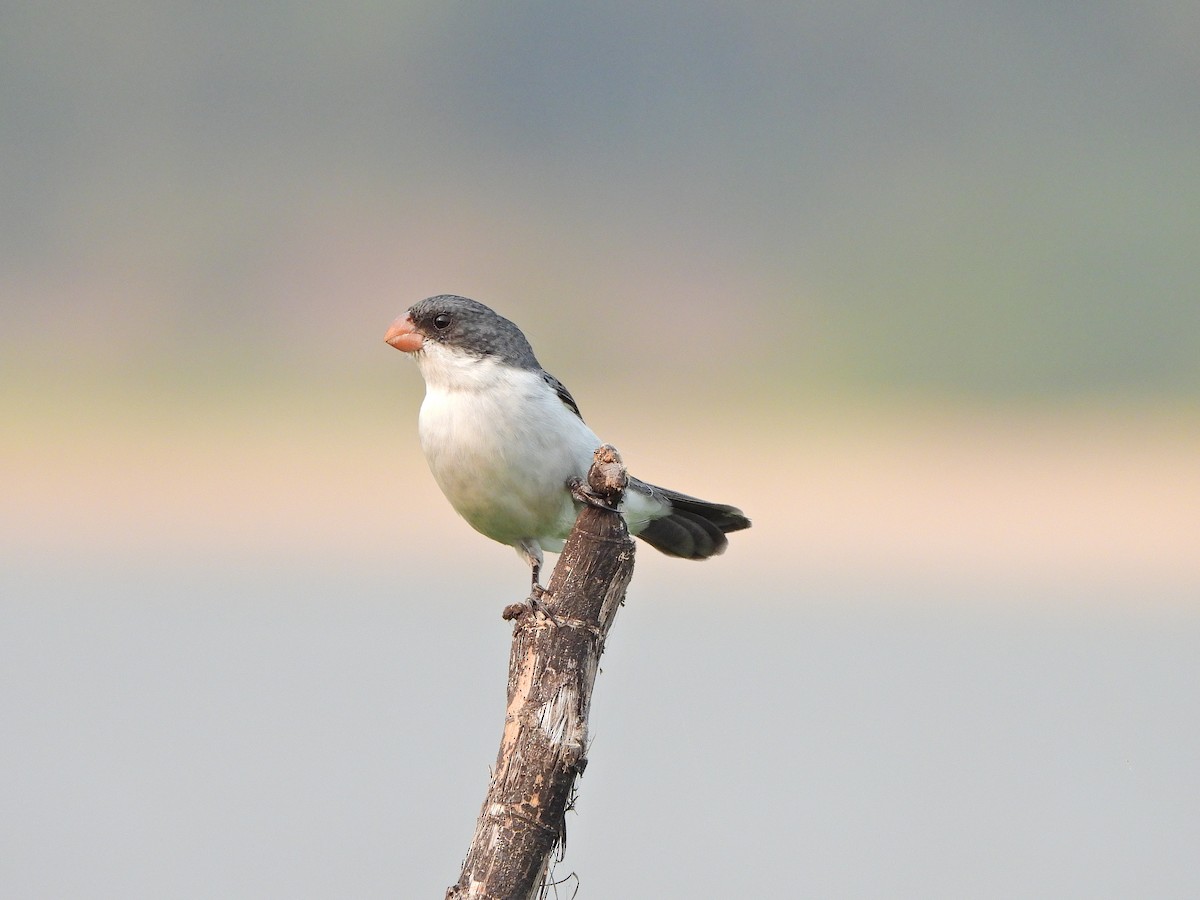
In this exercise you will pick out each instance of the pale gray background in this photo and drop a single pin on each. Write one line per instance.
(915, 284)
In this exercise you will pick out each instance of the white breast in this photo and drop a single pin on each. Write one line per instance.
(501, 446)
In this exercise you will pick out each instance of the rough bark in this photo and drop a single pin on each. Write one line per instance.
(552, 668)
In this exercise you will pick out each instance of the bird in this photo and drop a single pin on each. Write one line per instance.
(509, 449)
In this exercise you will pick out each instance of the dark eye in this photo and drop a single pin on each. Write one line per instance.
(441, 321)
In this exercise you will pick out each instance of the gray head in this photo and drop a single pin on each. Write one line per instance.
(464, 325)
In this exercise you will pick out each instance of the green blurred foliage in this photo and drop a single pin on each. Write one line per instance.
(980, 202)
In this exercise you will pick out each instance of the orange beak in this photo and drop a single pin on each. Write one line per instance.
(403, 335)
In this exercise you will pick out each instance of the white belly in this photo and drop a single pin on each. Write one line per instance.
(501, 459)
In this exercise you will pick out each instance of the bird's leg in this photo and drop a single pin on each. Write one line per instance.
(581, 492)
(532, 554)
(536, 591)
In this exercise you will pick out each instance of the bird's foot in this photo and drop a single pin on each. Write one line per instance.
(580, 491)
(532, 606)
(536, 604)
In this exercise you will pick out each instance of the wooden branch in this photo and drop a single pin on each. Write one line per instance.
(551, 671)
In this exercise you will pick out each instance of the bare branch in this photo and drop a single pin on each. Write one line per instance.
(551, 672)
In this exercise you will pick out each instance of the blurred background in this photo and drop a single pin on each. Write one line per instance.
(916, 285)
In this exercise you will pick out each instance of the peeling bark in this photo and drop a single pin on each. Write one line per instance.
(551, 671)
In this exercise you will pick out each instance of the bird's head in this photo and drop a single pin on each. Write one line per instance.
(456, 324)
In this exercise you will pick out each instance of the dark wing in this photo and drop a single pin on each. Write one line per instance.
(563, 394)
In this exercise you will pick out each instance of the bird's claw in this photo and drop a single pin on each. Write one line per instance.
(585, 495)
(532, 606)
(536, 604)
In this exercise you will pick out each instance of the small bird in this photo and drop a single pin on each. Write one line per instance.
(508, 447)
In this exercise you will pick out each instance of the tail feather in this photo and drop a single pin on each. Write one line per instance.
(694, 528)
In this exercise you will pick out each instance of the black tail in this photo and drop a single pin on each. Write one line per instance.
(694, 529)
